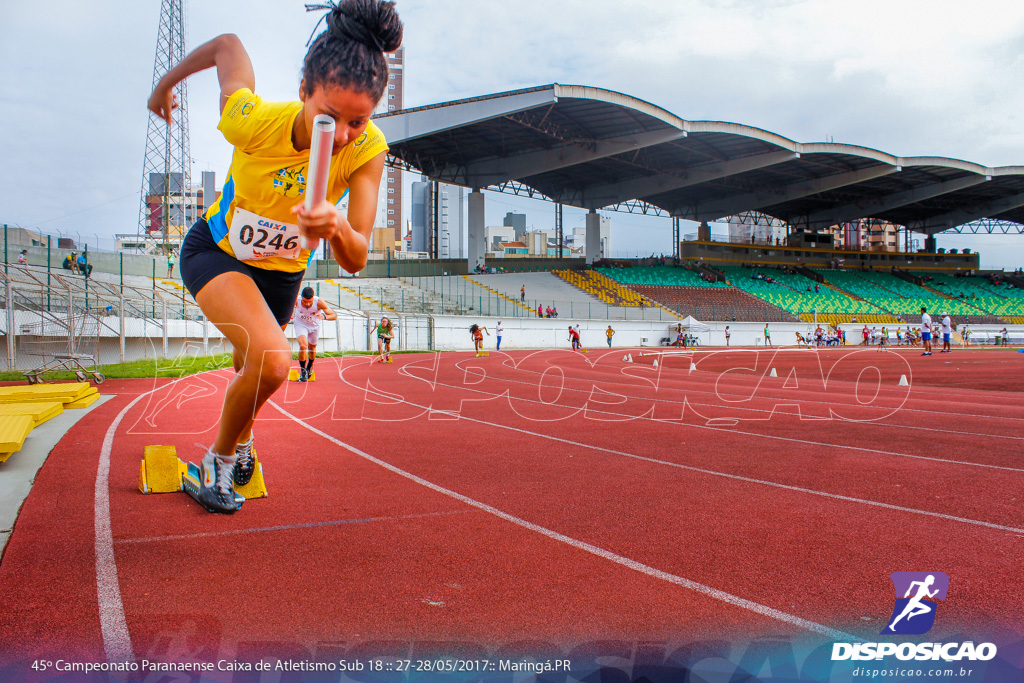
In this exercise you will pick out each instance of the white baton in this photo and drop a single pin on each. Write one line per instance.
(321, 146)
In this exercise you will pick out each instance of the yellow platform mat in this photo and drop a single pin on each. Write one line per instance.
(65, 392)
(39, 411)
(13, 430)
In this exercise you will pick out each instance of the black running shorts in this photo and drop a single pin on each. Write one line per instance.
(202, 260)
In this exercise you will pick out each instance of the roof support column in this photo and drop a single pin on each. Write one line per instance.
(477, 237)
(559, 230)
(593, 236)
(675, 239)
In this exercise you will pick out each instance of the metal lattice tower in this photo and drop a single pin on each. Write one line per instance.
(166, 172)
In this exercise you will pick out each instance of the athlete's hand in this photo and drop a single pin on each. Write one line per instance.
(322, 222)
(163, 101)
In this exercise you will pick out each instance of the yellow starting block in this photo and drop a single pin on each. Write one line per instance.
(161, 471)
(293, 375)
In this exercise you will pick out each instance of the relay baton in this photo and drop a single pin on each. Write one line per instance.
(322, 143)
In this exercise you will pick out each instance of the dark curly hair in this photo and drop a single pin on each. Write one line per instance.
(350, 53)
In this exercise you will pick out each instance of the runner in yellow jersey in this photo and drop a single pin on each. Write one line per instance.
(244, 261)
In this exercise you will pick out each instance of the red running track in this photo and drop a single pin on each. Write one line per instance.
(544, 497)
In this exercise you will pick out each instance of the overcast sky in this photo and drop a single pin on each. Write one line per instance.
(910, 78)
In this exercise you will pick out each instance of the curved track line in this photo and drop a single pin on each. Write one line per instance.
(652, 572)
(117, 641)
(402, 370)
(687, 374)
(762, 482)
(735, 406)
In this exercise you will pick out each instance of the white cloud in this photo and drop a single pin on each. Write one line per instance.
(905, 76)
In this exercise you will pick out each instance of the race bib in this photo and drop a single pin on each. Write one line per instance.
(255, 238)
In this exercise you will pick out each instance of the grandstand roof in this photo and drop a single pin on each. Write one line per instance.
(593, 148)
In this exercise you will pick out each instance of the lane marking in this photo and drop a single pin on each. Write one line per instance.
(647, 570)
(779, 399)
(680, 423)
(738, 477)
(285, 527)
(117, 641)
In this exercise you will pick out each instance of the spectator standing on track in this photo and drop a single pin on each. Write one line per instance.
(727, 335)
(966, 335)
(498, 329)
(767, 336)
(926, 332)
(608, 333)
(947, 332)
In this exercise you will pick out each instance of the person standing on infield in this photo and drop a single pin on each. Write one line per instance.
(947, 332)
(926, 332)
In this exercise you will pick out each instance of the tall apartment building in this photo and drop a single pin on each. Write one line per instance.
(869, 234)
(389, 224)
(167, 202)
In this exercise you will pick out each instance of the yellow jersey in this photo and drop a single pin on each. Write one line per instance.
(252, 218)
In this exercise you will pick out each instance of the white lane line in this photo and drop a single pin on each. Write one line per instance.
(708, 591)
(285, 527)
(789, 439)
(751, 480)
(117, 641)
(779, 400)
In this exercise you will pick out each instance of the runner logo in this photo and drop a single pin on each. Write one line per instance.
(917, 594)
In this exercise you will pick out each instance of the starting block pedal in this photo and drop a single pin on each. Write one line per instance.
(257, 487)
(293, 375)
(162, 471)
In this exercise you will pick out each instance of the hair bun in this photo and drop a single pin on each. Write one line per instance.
(374, 23)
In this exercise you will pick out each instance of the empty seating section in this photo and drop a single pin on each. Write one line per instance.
(1000, 300)
(670, 276)
(896, 295)
(604, 288)
(714, 303)
(795, 294)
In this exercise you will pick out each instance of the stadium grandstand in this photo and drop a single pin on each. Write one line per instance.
(596, 149)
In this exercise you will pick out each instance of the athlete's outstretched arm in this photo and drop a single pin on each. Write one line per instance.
(351, 240)
(328, 313)
(234, 71)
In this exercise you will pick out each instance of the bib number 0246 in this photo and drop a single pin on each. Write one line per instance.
(263, 240)
(255, 238)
